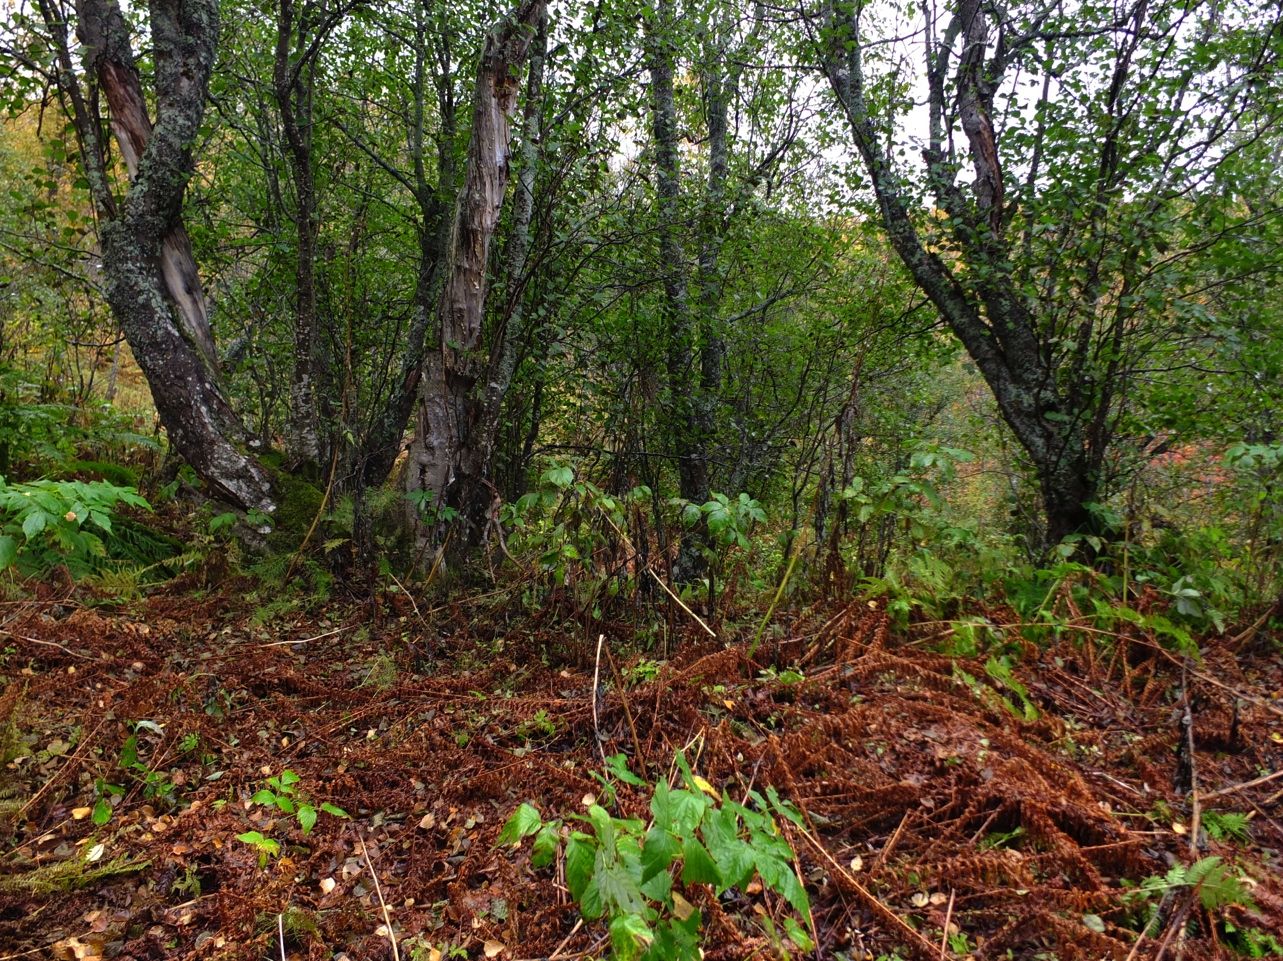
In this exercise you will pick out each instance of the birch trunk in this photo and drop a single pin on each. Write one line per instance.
(444, 453)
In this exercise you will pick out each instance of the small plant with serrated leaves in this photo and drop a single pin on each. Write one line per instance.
(1216, 885)
(633, 875)
(48, 522)
(282, 793)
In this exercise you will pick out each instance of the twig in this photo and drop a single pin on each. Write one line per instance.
(596, 673)
(1238, 640)
(1196, 807)
(280, 933)
(304, 640)
(948, 916)
(566, 940)
(387, 918)
(410, 596)
(36, 640)
(922, 947)
(779, 592)
(1235, 788)
(623, 701)
(658, 580)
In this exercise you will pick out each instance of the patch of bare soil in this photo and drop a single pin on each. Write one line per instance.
(951, 810)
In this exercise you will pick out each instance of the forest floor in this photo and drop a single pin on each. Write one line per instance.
(1021, 813)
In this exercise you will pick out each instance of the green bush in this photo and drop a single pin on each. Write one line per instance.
(46, 523)
(631, 874)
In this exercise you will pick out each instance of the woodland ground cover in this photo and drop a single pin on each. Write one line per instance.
(958, 790)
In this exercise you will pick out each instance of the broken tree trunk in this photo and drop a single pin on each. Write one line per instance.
(449, 453)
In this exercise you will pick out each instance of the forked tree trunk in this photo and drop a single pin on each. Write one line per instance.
(151, 278)
(449, 454)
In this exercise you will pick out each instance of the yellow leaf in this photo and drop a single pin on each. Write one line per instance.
(493, 948)
(79, 814)
(328, 885)
(705, 786)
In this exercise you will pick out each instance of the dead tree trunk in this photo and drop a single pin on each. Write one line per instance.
(448, 454)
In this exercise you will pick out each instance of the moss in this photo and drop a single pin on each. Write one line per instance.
(117, 474)
(68, 875)
(299, 925)
(298, 502)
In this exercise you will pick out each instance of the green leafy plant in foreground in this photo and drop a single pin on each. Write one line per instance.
(281, 793)
(629, 873)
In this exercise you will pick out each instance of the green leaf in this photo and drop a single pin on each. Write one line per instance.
(630, 935)
(334, 809)
(34, 523)
(658, 851)
(306, 818)
(698, 866)
(778, 875)
(544, 849)
(795, 934)
(524, 821)
(8, 551)
(263, 796)
(581, 856)
(102, 811)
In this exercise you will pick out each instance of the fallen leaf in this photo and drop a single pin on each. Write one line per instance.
(493, 948)
(681, 907)
(428, 821)
(328, 885)
(920, 900)
(96, 852)
(857, 864)
(79, 814)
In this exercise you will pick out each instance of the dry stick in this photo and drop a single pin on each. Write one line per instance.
(779, 592)
(596, 673)
(668, 590)
(924, 948)
(1196, 807)
(320, 512)
(948, 915)
(891, 841)
(280, 932)
(304, 640)
(1238, 640)
(85, 742)
(387, 918)
(556, 952)
(36, 640)
(623, 700)
(1235, 788)
(410, 596)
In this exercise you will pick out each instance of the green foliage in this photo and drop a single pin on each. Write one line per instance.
(631, 875)
(1214, 883)
(576, 537)
(281, 792)
(46, 523)
(1228, 825)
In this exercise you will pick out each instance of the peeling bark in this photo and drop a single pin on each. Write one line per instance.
(449, 455)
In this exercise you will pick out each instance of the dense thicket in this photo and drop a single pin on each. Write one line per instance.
(965, 275)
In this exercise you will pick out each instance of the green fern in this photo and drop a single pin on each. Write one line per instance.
(1234, 825)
